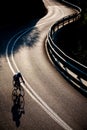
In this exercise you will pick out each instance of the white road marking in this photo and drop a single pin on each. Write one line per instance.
(29, 89)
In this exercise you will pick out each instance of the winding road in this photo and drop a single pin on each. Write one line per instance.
(49, 102)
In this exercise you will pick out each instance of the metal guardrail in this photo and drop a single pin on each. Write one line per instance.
(72, 70)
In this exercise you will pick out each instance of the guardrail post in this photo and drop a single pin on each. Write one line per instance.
(63, 22)
(68, 19)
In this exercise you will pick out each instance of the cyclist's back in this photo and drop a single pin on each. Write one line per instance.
(16, 79)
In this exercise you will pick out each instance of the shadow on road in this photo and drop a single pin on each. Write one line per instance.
(6, 33)
(29, 39)
(18, 105)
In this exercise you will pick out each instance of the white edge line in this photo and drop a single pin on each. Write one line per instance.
(33, 94)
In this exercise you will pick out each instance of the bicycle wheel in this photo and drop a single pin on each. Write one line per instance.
(22, 102)
(22, 91)
(14, 94)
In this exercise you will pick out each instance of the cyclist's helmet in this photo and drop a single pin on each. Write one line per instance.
(19, 74)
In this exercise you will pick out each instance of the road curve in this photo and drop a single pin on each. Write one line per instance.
(50, 101)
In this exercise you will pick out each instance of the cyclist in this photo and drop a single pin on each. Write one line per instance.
(17, 78)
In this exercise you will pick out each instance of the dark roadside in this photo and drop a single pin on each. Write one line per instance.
(16, 16)
(72, 38)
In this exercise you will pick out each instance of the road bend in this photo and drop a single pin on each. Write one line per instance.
(49, 101)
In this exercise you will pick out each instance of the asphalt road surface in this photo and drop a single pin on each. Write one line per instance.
(47, 101)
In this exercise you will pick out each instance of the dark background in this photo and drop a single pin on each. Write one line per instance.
(18, 12)
(16, 15)
(73, 38)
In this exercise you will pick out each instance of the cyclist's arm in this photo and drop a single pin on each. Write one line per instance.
(22, 79)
